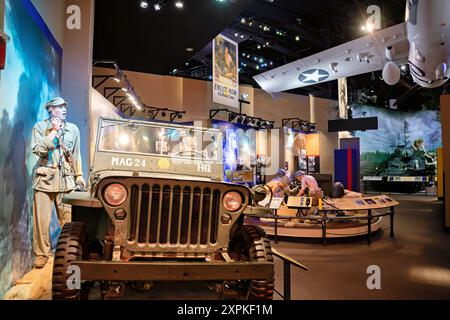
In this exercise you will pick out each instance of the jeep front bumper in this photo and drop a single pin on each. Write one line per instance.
(173, 271)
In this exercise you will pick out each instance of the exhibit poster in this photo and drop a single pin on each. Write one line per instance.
(404, 145)
(31, 77)
(239, 147)
(295, 149)
(225, 71)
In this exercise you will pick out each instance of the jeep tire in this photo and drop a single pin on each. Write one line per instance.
(250, 243)
(72, 246)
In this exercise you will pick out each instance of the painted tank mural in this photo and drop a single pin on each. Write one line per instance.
(404, 146)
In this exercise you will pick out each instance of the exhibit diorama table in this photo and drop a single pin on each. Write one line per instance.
(324, 213)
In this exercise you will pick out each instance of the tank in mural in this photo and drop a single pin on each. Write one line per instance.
(410, 159)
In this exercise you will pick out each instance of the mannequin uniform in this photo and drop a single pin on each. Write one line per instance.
(58, 169)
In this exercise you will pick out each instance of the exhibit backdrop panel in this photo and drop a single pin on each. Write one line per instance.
(353, 144)
(239, 146)
(345, 169)
(405, 143)
(32, 76)
(295, 143)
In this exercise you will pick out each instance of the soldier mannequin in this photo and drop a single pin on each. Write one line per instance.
(57, 144)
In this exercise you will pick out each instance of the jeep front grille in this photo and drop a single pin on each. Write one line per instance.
(173, 214)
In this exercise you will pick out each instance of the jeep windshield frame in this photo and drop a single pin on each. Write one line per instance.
(136, 145)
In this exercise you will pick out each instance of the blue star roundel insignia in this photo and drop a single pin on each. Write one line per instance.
(313, 76)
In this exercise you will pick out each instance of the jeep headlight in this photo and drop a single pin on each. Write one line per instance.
(232, 201)
(115, 194)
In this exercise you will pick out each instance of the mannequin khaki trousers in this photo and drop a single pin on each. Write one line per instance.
(42, 213)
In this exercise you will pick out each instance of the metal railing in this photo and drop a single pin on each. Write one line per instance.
(323, 220)
(287, 262)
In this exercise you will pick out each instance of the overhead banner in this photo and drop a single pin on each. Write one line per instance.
(225, 72)
(343, 98)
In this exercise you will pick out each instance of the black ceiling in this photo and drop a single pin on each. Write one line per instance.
(155, 42)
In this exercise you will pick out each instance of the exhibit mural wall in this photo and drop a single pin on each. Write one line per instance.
(301, 151)
(405, 143)
(32, 76)
(239, 145)
(295, 146)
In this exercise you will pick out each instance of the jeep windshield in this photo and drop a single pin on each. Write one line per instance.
(158, 139)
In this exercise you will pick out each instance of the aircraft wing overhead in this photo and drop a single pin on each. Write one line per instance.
(356, 57)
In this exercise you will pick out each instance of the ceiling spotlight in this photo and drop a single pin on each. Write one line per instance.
(124, 89)
(243, 20)
(189, 49)
(297, 38)
(144, 4)
(403, 67)
(116, 79)
(179, 4)
(157, 6)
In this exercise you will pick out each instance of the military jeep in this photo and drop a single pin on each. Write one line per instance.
(157, 209)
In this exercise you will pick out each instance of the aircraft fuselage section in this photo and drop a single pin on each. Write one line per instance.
(428, 30)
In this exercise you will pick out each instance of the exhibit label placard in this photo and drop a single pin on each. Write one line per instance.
(225, 72)
(276, 203)
(299, 202)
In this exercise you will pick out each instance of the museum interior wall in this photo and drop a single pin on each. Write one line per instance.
(77, 74)
(100, 107)
(32, 76)
(47, 10)
(195, 96)
(445, 118)
(323, 110)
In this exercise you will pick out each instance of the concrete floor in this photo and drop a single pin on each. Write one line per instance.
(416, 265)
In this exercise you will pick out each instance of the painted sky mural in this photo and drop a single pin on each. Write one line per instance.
(31, 77)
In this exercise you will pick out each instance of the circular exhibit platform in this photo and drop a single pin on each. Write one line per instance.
(307, 228)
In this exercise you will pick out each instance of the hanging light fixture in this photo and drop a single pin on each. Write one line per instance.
(179, 4)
